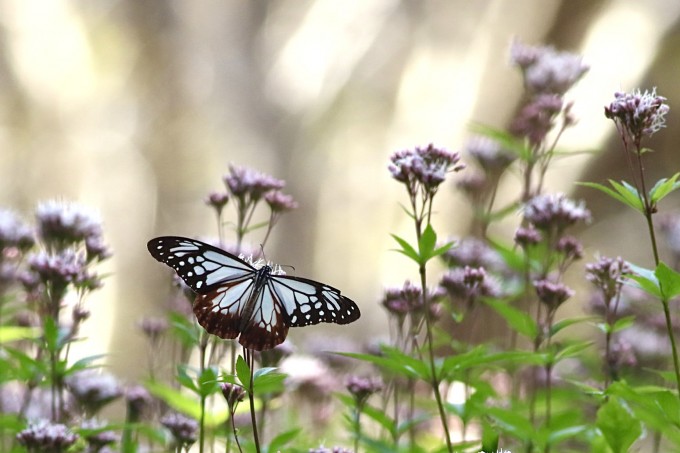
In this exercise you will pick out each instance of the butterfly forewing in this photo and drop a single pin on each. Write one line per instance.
(308, 302)
(201, 266)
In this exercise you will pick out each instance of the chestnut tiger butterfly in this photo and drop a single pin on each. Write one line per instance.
(236, 299)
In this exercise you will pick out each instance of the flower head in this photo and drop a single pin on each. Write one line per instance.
(182, 428)
(638, 114)
(14, 232)
(361, 388)
(527, 236)
(93, 389)
(407, 300)
(607, 274)
(62, 224)
(546, 70)
(217, 200)
(489, 154)
(138, 399)
(469, 284)
(537, 118)
(96, 435)
(279, 202)
(424, 167)
(247, 184)
(555, 212)
(552, 294)
(233, 394)
(47, 437)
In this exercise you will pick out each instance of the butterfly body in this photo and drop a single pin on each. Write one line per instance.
(235, 299)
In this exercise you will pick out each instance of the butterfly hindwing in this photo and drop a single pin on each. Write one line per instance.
(201, 266)
(309, 302)
(220, 312)
(266, 326)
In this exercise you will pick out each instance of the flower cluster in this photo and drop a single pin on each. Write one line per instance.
(552, 294)
(637, 114)
(408, 300)
(537, 118)
(183, 429)
(93, 389)
(545, 70)
(423, 169)
(469, 284)
(47, 437)
(361, 388)
(554, 212)
(14, 232)
(607, 275)
(489, 154)
(62, 224)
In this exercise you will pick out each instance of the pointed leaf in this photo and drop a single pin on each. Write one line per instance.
(243, 373)
(646, 280)
(406, 249)
(427, 242)
(619, 427)
(14, 333)
(283, 439)
(519, 320)
(663, 187)
(669, 281)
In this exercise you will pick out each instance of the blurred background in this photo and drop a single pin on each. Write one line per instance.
(137, 108)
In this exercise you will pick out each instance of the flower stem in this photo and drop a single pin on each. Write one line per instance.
(250, 360)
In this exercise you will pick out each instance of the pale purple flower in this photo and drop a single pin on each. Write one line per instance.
(537, 118)
(62, 223)
(14, 232)
(93, 389)
(183, 429)
(553, 294)
(469, 284)
(527, 236)
(607, 275)
(546, 70)
(425, 167)
(250, 185)
(489, 154)
(638, 114)
(361, 388)
(46, 437)
(96, 436)
(555, 211)
(279, 202)
(217, 200)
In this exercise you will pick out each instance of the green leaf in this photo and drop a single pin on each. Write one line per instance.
(243, 373)
(396, 361)
(511, 422)
(283, 439)
(669, 281)
(14, 333)
(428, 240)
(646, 280)
(268, 380)
(623, 323)
(619, 427)
(519, 320)
(184, 379)
(207, 382)
(572, 350)
(663, 187)
(564, 323)
(186, 404)
(620, 193)
(406, 249)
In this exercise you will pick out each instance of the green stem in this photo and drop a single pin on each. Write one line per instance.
(430, 353)
(671, 336)
(250, 360)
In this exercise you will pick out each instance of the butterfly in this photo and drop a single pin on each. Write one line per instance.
(235, 299)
